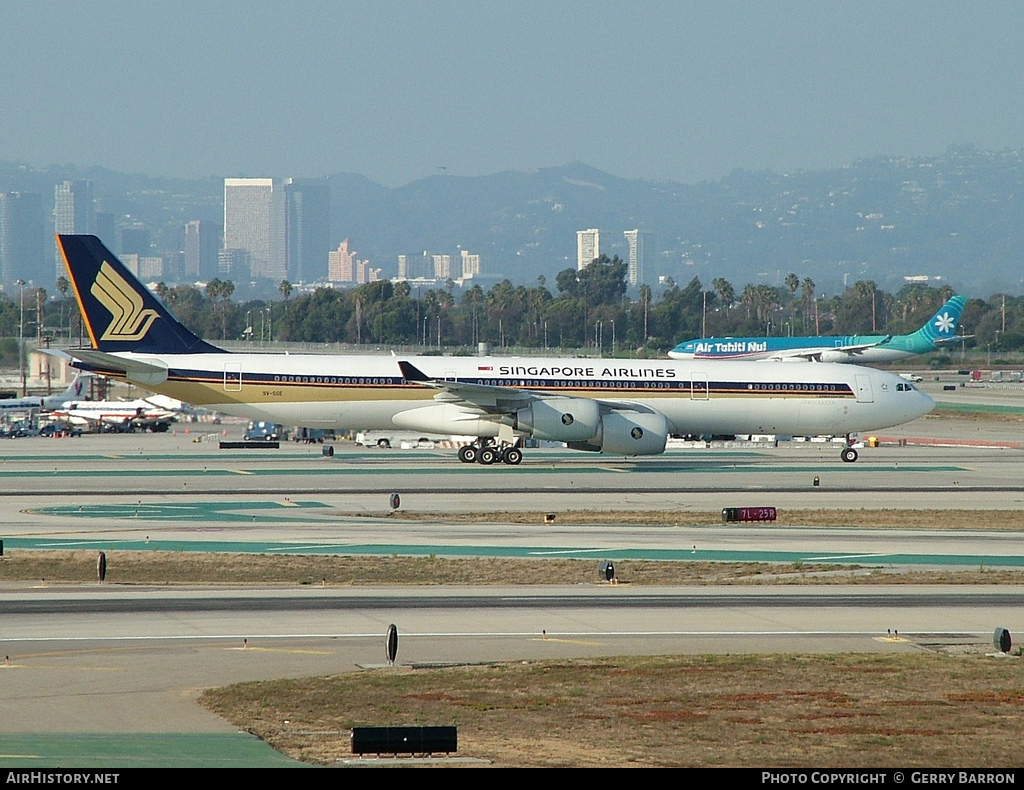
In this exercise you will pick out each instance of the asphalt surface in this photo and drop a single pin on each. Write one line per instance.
(96, 662)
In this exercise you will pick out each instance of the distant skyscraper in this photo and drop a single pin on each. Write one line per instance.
(442, 267)
(283, 224)
(416, 267)
(470, 265)
(21, 237)
(307, 229)
(341, 264)
(636, 257)
(202, 243)
(234, 263)
(588, 247)
(254, 222)
(73, 212)
(364, 274)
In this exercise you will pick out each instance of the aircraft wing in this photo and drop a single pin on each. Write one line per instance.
(814, 354)
(486, 398)
(492, 399)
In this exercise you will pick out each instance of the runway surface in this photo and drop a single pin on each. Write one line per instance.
(97, 660)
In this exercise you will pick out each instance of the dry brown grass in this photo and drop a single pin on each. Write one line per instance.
(190, 568)
(880, 518)
(846, 711)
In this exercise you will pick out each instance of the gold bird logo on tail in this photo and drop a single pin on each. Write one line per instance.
(130, 319)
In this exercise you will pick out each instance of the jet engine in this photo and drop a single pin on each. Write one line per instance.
(560, 419)
(837, 356)
(629, 433)
(576, 421)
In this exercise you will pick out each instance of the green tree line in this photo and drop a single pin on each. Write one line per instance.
(588, 309)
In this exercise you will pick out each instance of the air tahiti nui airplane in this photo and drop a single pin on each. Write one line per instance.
(938, 332)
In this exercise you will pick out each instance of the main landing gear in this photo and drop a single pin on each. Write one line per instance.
(486, 452)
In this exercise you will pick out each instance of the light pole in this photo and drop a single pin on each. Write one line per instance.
(613, 335)
(21, 336)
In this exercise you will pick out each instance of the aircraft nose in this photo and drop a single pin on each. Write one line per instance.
(925, 404)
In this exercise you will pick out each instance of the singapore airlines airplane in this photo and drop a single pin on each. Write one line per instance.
(939, 331)
(622, 407)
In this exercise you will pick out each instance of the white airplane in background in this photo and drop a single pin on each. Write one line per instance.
(45, 402)
(623, 407)
(155, 413)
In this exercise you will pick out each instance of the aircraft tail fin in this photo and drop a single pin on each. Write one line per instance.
(120, 314)
(75, 391)
(941, 327)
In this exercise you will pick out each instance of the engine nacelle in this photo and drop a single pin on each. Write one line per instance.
(629, 433)
(634, 433)
(445, 418)
(560, 419)
(836, 356)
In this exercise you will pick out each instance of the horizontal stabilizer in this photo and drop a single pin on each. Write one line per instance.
(144, 373)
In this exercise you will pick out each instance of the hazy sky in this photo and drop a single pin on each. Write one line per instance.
(397, 90)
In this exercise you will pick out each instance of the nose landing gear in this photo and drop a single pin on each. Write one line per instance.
(849, 455)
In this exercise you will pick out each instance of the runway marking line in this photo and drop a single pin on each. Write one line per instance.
(566, 641)
(567, 551)
(251, 649)
(63, 668)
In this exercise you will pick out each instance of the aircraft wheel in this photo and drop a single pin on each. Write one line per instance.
(513, 456)
(488, 456)
(468, 454)
(849, 455)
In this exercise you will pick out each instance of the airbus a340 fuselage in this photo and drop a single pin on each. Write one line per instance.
(615, 406)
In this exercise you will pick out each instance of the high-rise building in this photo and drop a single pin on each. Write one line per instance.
(416, 267)
(235, 264)
(636, 257)
(588, 247)
(21, 237)
(73, 212)
(470, 265)
(202, 243)
(254, 224)
(307, 229)
(442, 267)
(341, 264)
(283, 224)
(365, 274)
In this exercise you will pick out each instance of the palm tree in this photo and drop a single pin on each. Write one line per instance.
(807, 297)
(63, 286)
(725, 292)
